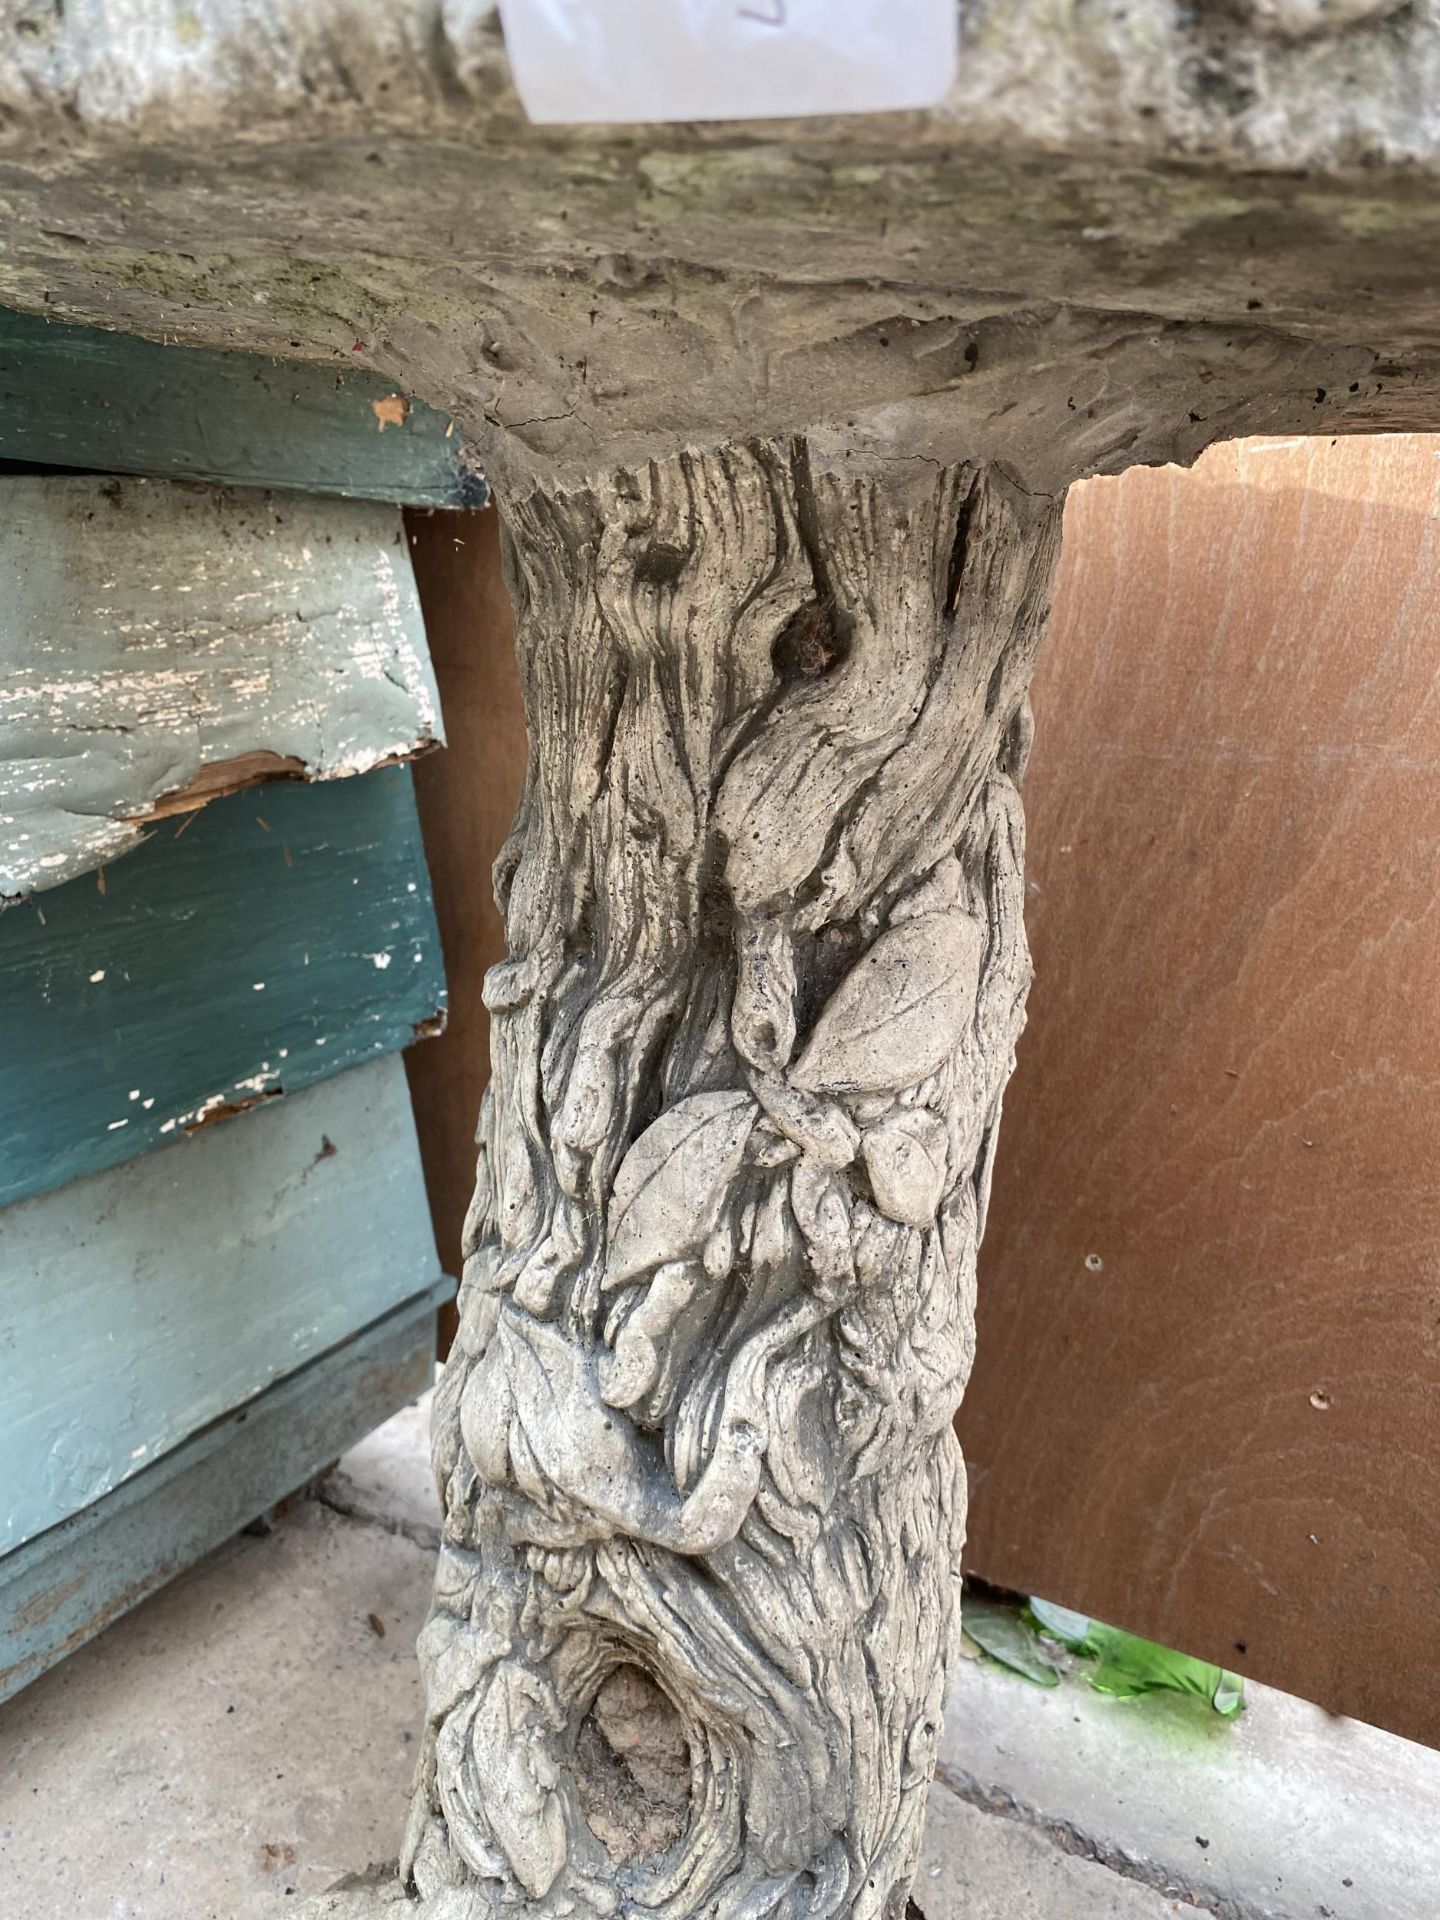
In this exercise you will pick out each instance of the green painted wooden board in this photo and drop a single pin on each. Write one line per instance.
(162, 642)
(64, 1587)
(266, 942)
(140, 1304)
(113, 403)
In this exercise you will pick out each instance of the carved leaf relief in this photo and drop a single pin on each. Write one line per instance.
(897, 1015)
(905, 1158)
(498, 1782)
(551, 1405)
(674, 1180)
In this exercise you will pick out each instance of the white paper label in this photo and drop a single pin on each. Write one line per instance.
(627, 60)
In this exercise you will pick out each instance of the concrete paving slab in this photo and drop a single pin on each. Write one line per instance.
(245, 1739)
(1288, 1813)
(387, 1481)
(242, 1739)
(976, 1866)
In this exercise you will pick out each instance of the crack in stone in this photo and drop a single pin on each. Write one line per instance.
(418, 1532)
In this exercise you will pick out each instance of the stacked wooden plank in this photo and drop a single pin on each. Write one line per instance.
(190, 1337)
(110, 403)
(215, 905)
(273, 940)
(165, 643)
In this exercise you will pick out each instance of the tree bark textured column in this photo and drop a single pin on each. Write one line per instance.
(766, 968)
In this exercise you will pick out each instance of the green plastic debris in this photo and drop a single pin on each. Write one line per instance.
(1025, 1638)
(1126, 1665)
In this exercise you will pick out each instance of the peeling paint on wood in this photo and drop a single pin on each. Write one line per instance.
(64, 1587)
(111, 403)
(199, 1277)
(213, 782)
(161, 643)
(270, 941)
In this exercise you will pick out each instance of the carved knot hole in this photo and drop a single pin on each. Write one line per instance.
(632, 1768)
(810, 644)
(660, 564)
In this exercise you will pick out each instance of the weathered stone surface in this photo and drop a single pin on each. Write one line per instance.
(763, 898)
(183, 1766)
(1274, 1816)
(1133, 228)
